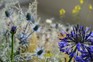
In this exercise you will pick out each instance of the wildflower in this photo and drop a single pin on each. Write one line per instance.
(23, 37)
(13, 29)
(76, 9)
(90, 7)
(36, 28)
(76, 41)
(62, 12)
(29, 18)
(86, 56)
(79, 59)
(40, 52)
(7, 13)
(81, 1)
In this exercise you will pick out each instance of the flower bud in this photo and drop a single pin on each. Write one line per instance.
(13, 29)
(28, 16)
(7, 13)
(36, 28)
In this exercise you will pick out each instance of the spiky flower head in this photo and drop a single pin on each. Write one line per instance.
(77, 41)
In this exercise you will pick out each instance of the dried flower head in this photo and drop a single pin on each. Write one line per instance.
(81, 1)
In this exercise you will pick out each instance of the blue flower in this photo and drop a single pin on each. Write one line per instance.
(79, 59)
(88, 55)
(77, 41)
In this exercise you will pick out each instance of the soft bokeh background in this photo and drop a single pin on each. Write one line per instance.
(52, 8)
(49, 9)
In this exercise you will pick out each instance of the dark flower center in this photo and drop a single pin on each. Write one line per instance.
(36, 28)
(28, 16)
(7, 13)
(39, 52)
(78, 34)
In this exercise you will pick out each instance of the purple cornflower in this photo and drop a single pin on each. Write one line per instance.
(77, 41)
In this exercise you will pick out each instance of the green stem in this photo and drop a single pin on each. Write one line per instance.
(12, 47)
(70, 59)
(73, 52)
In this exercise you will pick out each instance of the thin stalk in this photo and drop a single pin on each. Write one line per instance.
(26, 26)
(30, 34)
(65, 59)
(12, 48)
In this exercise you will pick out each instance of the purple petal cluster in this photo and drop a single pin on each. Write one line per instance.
(78, 44)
